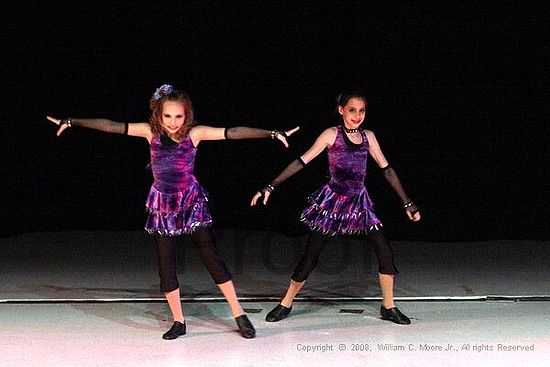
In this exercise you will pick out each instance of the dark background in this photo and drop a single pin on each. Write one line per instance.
(457, 98)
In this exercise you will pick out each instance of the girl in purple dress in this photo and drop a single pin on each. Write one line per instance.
(177, 204)
(343, 206)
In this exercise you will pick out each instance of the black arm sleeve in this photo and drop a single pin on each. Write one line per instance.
(99, 124)
(395, 183)
(242, 132)
(294, 167)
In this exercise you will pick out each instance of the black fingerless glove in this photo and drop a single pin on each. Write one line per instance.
(411, 207)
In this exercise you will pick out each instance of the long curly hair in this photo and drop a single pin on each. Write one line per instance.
(167, 93)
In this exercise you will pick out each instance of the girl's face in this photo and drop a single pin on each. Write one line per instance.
(173, 116)
(353, 113)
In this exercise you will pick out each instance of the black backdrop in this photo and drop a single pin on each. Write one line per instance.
(457, 98)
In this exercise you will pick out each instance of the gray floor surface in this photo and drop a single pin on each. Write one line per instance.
(92, 299)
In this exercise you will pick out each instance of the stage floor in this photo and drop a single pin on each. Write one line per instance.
(316, 334)
(92, 299)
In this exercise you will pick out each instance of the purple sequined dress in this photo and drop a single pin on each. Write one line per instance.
(177, 204)
(343, 206)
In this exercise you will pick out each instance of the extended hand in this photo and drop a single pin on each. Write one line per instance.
(265, 192)
(282, 136)
(414, 217)
(62, 126)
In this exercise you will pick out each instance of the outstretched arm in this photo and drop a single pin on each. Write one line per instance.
(325, 140)
(134, 129)
(202, 132)
(410, 207)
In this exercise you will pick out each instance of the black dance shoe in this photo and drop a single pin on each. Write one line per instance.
(245, 327)
(394, 315)
(176, 330)
(278, 313)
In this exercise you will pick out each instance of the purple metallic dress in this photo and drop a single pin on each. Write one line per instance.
(177, 204)
(343, 206)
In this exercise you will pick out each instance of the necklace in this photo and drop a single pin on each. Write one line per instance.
(350, 144)
(350, 130)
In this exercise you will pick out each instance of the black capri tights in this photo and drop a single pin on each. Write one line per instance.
(208, 253)
(316, 243)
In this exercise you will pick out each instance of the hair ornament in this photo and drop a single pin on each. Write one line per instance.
(163, 90)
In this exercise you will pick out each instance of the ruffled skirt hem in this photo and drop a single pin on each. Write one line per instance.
(181, 212)
(332, 213)
(179, 231)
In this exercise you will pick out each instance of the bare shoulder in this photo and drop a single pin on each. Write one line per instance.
(330, 133)
(328, 136)
(375, 147)
(199, 127)
(370, 136)
(197, 130)
(204, 132)
(196, 133)
(140, 129)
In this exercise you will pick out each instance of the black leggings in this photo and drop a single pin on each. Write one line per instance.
(316, 243)
(208, 253)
